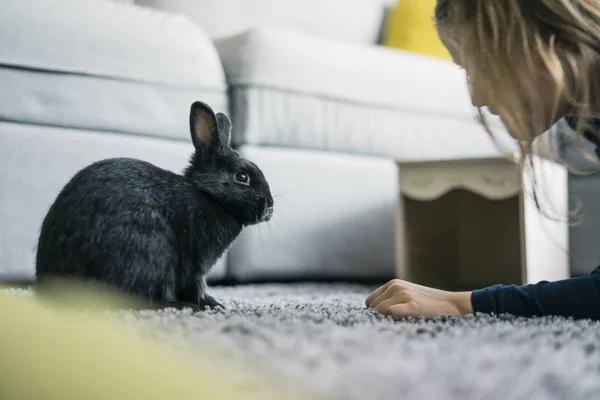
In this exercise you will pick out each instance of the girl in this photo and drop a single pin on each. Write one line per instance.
(536, 64)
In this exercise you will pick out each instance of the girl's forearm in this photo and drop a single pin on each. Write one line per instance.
(463, 303)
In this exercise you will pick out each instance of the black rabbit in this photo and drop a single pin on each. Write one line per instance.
(150, 232)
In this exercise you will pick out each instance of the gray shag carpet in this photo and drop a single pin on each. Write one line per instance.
(321, 337)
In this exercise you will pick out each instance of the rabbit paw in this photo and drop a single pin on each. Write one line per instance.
(210, 302)
(180, 305)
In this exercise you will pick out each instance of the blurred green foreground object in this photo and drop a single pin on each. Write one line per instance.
(48, 354)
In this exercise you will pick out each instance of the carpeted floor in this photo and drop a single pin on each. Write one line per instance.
(322, 337)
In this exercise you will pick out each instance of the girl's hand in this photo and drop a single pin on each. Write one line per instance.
(399, 299)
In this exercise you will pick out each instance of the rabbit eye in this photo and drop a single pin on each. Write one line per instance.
(242, 178)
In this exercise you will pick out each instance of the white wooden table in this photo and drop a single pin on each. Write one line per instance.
(468, 224)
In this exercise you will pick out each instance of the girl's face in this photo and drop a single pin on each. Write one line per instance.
(478, 93)
(540, 103)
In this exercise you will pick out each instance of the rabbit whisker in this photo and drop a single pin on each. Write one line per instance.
(271, 231)
(276, 223)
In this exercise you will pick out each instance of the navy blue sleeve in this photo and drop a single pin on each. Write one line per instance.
(576, 297)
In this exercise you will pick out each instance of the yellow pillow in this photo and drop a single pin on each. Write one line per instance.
(410, 27)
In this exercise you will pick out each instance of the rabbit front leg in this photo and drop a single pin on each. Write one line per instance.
(204, 299)
(210, 302)
(194, 293)
(178, 299)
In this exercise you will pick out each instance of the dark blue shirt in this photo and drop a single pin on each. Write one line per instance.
(577, 297)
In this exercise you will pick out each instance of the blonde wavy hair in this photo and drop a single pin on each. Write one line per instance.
(511, 48)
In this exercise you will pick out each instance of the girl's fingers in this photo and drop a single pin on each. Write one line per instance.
(395, 299)
(378, 292)
(385, 305)
(401, 311)
(387, 294)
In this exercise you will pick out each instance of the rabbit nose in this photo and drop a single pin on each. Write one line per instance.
(267, 208)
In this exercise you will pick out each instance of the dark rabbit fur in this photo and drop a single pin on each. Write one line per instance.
(150, 232)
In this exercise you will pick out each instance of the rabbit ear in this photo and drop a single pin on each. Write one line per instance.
(210, 133)
(224, 128)
(203, 127)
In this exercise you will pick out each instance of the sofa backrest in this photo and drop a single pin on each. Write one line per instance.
(357, 21)
(105, 66)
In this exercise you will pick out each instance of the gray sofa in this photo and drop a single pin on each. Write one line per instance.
(326, 112)
(86, 80)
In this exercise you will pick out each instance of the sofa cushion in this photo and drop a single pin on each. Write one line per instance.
(334, 218)
(104, 65)
(294, 90)
(357, 21)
